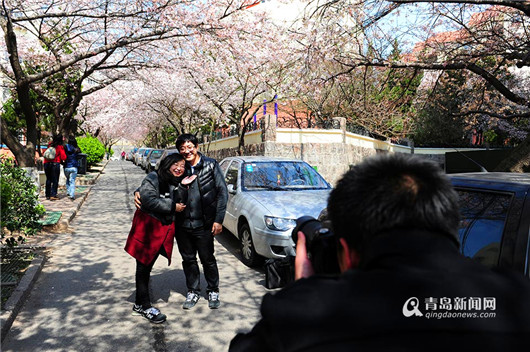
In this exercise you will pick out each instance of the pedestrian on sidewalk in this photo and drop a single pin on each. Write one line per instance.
(164, 193)
(70, 166)
(203, 218)
(53, 157)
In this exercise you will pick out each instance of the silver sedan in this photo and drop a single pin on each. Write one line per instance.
(266, 196)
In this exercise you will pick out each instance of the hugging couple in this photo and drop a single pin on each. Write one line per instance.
(184, 199)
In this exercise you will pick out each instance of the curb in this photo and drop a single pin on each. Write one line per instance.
(19, 295)
(64, 222)
(25, 285)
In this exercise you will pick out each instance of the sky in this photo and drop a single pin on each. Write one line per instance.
(283, 12)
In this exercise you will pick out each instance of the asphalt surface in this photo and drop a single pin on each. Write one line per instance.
(82, 300)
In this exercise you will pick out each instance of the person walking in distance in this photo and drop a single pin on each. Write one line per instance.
(53, 157)
(202, 220)
(70, 166)
(164, 193)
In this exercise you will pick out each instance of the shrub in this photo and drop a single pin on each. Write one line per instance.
(21, 209)
(93, 148)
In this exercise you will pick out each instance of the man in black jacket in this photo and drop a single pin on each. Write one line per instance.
(404, 285)
(203, 218)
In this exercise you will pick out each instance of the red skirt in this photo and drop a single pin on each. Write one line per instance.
(147, 236)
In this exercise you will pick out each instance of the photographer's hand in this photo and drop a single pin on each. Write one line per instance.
(302, 264)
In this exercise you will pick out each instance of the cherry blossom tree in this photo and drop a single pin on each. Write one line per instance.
(174, 100)
(239, 69)
(87, 45)
(116, 111)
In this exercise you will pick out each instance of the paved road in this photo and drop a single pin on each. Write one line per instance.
(82, 300)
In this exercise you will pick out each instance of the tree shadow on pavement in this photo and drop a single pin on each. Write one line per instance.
(82, 300)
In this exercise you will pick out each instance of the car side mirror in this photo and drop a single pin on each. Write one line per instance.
(231, 189)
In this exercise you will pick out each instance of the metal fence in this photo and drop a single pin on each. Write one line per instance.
(13, 265)
(231, 131)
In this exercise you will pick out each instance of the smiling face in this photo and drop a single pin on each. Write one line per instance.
(189, 151)
(177, 169)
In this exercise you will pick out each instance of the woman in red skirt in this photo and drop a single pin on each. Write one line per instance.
(163, 195)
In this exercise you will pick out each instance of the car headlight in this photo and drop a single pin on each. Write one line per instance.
(279, 224)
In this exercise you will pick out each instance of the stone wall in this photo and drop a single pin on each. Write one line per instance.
(330, 159)
(331, 152)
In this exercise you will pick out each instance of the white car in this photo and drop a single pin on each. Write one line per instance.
(265, 197)
(142, 157)
(137, 154)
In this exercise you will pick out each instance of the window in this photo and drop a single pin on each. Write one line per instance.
(281, 175)
(231, 174)
(483, 217)
(224, 165)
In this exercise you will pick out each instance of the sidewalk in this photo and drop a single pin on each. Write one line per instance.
(61, 212)
(83, 295)
(58, 215)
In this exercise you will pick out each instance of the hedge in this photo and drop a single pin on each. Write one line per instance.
(21, 209)
(93, 148)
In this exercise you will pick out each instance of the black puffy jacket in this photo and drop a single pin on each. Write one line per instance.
(207, 195)
(158, 205)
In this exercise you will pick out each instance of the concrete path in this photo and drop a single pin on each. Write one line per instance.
(83, 297)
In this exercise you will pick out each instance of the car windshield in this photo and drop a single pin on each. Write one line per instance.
(281, 175)
(156, 154)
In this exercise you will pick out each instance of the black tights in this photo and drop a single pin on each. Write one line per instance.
(143, 273)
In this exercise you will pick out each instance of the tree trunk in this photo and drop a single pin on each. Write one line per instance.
(518, 160)
(25, 155)
(241, 144)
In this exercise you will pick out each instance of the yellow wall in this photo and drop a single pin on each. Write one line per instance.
(294, 136)
(253, 137)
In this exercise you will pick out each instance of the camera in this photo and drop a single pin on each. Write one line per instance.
(320, 243)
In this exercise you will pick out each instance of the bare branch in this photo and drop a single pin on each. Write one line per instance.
(494, 81)
(523, 6)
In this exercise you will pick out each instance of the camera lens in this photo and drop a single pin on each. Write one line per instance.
(320, 244)
(309, 226)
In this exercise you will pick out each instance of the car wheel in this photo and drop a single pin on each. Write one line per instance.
(249, 256)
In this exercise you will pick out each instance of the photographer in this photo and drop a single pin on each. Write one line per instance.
(395, 220)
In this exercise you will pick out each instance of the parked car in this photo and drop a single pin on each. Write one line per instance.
(143, 156)
(265, 197)
(130, 154)
(151, 159)
(495, 218)
(137, 155)
(165, 153)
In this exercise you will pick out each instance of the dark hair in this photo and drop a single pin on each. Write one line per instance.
(165, 164)
(57, 140)
(72, 141)
(186, 137)
(393, 191)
